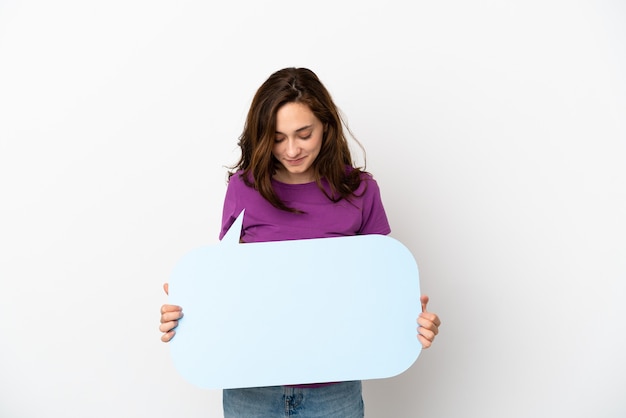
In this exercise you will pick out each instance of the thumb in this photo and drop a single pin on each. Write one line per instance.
(167, 288)
(423, 299)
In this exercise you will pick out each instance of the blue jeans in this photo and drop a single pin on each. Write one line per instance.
(340, 400)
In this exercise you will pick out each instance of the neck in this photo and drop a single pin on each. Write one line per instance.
(285, 177)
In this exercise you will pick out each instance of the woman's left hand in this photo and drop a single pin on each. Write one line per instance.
(428, 324)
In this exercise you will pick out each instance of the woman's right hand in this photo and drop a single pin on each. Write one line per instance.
(170, 314)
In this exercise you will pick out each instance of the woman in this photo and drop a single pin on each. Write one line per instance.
(296, 180)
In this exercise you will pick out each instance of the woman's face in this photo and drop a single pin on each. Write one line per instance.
(297, 143)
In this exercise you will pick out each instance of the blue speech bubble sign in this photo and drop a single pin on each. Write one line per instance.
(295, 312)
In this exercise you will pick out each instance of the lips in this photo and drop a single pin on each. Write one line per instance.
(296, 162)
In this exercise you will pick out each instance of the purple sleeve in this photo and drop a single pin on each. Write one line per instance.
(231, 204)
(374, 216)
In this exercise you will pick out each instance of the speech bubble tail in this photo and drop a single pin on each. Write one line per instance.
(234, 232)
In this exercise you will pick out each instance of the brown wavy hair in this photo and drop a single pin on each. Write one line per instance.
(334, 162)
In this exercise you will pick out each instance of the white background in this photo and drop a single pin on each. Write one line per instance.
(496, 131)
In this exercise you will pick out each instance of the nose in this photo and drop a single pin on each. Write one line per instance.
(293, 149)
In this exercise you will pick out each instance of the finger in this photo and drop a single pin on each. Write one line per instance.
(168, 326)
(424, 300)
(171, 316)
(167, 336)
(429, 316)
(428, 324)
(426, 333)
(424, 341)
(166, 287)
(170, 308)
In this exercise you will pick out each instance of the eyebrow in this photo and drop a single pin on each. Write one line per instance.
(304, 128)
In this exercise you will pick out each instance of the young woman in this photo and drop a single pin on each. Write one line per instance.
(296, 180)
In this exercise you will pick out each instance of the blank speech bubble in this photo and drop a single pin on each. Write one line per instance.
(295, 312)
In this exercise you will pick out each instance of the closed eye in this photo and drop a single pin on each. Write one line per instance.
(303, 137)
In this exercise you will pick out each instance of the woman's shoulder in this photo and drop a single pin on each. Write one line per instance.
(238, 188)
(352, 172)
(238, 179)
(366, 180)
(367, 176)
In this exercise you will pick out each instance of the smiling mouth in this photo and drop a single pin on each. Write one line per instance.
(295, 162)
